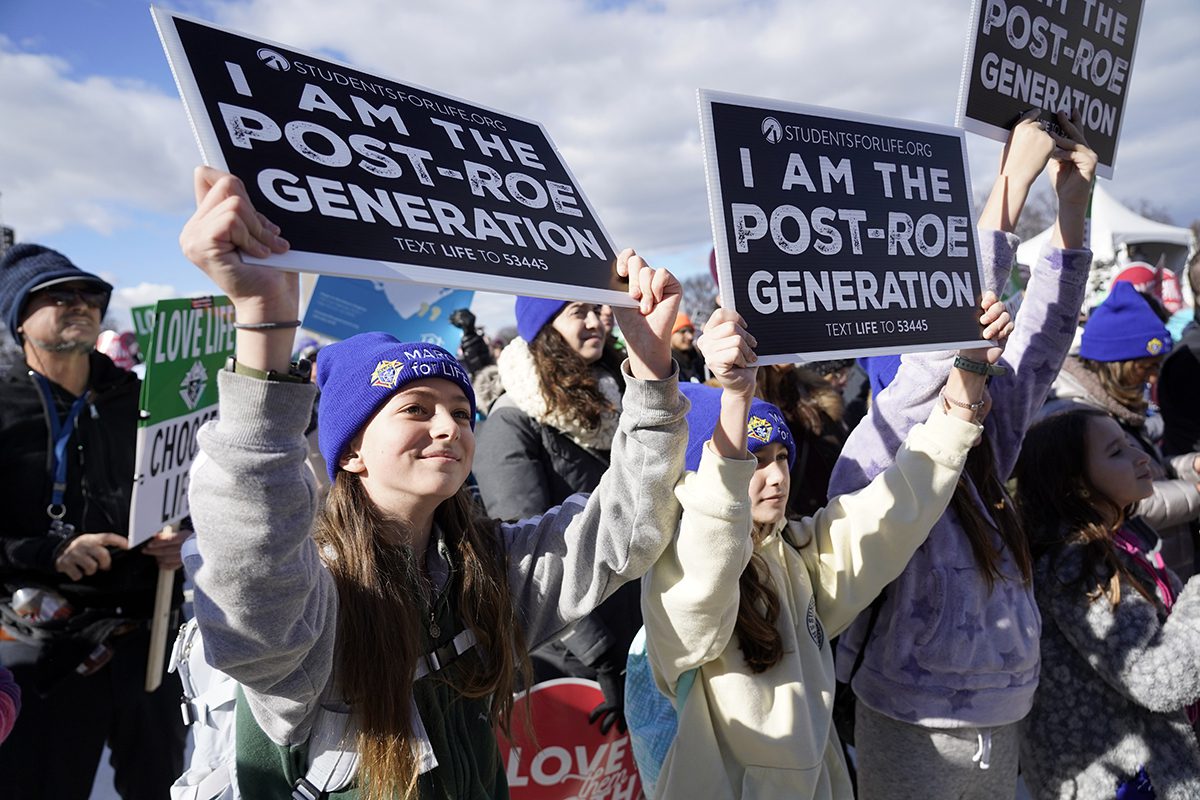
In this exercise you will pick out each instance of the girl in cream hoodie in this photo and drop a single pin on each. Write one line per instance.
(740, 608)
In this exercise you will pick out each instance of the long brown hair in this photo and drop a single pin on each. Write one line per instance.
(802, 395)
(1059, 506)
(1122, 381)
(980, 473)
(758, 612)
(569, 384)
(380, 617)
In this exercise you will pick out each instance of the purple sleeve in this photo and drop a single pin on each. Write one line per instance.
(1034, 353)
(10, 702)
(1044, 329)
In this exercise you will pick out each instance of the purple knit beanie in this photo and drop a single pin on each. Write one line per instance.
(1124, 328)
(358, 375)
(764, 426)
(534, 313)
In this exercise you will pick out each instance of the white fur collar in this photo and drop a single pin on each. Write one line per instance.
(521, 382)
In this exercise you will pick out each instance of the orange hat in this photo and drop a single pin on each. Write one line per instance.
(681, 322)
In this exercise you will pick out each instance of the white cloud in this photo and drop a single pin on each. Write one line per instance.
(615, 87)
(90, 151)
(126, 298)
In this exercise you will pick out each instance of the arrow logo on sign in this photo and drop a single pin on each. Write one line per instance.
(273, 59)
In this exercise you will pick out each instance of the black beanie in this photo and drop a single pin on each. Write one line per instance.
(27, 268)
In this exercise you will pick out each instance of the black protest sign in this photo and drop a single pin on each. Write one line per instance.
(839, 234)
(372, 178)
(1055, 55)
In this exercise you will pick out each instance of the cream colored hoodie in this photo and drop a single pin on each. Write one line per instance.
(771, 735)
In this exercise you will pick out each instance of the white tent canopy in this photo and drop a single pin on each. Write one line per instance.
(1119, 234)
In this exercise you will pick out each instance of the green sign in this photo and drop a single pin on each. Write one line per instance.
(191, 340)
(143, 326)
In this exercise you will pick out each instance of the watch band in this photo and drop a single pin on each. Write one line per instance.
(978, 367)
(298, 372)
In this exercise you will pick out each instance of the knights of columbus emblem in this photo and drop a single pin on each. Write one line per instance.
(759, 428)
(387, 374)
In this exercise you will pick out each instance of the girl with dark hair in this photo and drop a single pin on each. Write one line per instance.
(814, 411)
(547, 437)
(740, 608)
(402, 627)
(1121, 635)
(1120, 353)
(949, 657)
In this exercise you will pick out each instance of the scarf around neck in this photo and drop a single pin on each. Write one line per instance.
(522, 383)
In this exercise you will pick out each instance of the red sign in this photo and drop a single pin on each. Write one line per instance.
(571, 759)
(1158, 282)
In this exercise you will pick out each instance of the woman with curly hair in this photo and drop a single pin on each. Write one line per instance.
(547, 437)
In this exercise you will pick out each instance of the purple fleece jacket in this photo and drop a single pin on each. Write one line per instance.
(946, 652)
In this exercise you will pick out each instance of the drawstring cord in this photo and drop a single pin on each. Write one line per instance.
(984, 754)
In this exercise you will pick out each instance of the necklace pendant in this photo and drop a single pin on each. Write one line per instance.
(434, 630)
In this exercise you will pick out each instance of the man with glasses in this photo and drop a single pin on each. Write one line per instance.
(75, 602)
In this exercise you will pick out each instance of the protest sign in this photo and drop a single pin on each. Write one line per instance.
(840, 234)
(143, 325)
(372, 178)
(1056, 55)
(568, 758)
(191, 341)
(341, 307)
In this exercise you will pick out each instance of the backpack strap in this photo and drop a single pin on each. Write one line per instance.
(333, 759)
(439, 657)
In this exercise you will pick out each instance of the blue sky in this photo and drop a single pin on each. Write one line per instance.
(99, 163)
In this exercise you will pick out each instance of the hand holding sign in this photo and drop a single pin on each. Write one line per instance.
(165, 547)
(728, 351)
(1024, 157)
(997, 326)
(1073, 167)
(647, 329)
(1027, 150)
(224, 223)
(965, 394)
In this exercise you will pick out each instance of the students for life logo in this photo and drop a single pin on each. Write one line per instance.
(273, 59)
(772, 130)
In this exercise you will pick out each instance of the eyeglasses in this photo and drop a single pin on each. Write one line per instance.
(69, 297)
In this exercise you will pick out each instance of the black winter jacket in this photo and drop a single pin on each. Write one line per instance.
(100, 472)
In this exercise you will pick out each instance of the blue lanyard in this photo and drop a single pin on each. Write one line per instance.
(60, 432)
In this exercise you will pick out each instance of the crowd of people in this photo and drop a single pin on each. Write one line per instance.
(982, 571)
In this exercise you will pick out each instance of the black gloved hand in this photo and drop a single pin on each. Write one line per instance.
(463, 319)
(612, 710)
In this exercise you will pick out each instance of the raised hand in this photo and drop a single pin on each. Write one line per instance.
(1072, 164)
(1027, 150)
(647, 328)
(1023, 159)
(997, 326)
(729, 351)
(225, 222)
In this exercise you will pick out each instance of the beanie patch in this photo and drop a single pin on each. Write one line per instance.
(387, 374)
